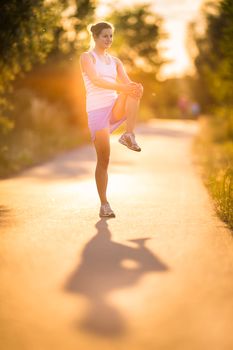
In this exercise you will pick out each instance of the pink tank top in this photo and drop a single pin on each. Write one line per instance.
(97, 97)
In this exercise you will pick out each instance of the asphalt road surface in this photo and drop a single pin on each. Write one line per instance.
(157, 277)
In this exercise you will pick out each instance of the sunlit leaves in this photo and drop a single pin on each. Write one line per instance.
(30, 30)
(26, 36)
(214, 61)
(137, 32)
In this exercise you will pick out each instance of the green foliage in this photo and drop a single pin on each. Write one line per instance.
(30, 30)
(215, 155)
(168, 93)
(136, 37)
(44, 130)
(71, 34)
(222, 124)
(26, 35)
(137, 33)
(84, 13)
(214, 65)
(214, 61)
(222, 190)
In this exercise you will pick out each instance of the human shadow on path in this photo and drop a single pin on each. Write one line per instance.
(102, 271)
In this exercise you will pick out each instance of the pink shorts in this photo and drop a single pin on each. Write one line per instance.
(99, 119)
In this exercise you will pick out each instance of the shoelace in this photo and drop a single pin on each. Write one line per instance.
(130, 136)
(132, 139)
(106, 208)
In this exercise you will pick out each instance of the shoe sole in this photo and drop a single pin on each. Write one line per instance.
(107, 216)
(132, 149)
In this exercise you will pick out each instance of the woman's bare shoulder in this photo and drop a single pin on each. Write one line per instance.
(86, 56)
(116, 59)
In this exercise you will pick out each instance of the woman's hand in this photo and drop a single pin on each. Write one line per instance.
(137, 90)
(128, 88)
(133, 89)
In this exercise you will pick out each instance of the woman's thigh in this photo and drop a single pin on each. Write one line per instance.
(102, 145)
(118, 110)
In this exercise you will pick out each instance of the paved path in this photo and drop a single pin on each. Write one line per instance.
(159, 276)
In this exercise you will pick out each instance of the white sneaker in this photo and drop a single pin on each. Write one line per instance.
(128, 140)
(106, 211)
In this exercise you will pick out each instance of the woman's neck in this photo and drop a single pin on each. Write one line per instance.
(100, 52)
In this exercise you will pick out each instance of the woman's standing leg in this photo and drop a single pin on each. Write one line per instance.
(102, 147)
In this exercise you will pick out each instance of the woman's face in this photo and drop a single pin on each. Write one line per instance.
(104, 40)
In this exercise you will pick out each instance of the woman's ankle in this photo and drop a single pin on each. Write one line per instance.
(102, 202)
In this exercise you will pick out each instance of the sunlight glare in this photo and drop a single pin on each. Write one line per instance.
(176, 15)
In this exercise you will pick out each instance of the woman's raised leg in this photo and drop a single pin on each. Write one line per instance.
(118, 110)
(131, 112)
(128, 106)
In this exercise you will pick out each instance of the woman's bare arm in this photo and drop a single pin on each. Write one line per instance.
(123, 77)
(88, 67)
(121, 72)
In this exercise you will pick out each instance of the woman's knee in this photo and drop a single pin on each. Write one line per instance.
(103, 161)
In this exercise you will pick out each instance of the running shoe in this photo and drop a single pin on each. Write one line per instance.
(128, 140)
(106, 211)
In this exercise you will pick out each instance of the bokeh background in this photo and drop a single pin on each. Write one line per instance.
(180, 50)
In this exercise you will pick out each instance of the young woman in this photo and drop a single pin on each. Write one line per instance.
(104, 76)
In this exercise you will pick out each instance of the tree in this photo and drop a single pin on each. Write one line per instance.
(136, 37)
(137, 34)
(30, 30)
(26, 36)
(214, 61)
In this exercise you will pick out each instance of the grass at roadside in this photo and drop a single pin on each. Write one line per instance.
(214, 151)
(47, 110)
(42, 130)
(27, 148)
